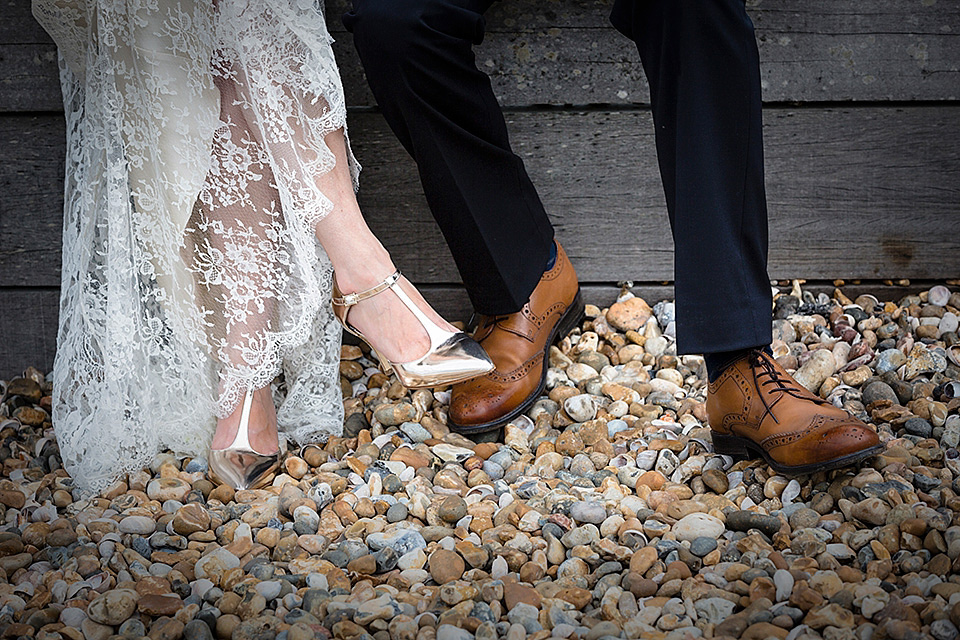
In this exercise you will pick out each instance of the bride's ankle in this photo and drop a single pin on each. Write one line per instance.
(261, 426)
(363, 275)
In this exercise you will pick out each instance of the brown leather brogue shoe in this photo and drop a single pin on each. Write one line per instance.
(756, 407)
(518, 344)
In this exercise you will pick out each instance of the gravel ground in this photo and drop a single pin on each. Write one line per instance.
(602, 513)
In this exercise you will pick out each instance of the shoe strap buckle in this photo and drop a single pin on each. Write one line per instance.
(350, 299)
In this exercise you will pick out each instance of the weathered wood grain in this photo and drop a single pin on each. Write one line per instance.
(564, 52)
(28, 329)
(29, 79)
(856, 193)
(18, 25)
(31, 209)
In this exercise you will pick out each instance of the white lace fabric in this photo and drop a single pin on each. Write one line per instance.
(191, 271)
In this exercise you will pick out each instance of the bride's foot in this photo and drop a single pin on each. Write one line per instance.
(262, 426)
(423, 349)
(385, 321)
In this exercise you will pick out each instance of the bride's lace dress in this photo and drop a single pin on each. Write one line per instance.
(195, 137)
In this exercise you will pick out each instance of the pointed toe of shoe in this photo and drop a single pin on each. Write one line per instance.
(458, 359)
(242, 469)
(469, 357)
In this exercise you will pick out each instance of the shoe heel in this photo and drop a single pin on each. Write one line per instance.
(385, 365)
(730, 446)
(572, 318)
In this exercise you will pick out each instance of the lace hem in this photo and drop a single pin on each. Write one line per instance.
(196, 140)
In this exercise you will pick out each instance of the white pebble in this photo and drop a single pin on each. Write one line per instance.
(783, 580)
(790, 492)
(499, 568)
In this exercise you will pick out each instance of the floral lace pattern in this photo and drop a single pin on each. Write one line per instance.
(195, 139)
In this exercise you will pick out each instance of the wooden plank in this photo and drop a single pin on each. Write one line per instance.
(29, 78)
(18, 25)
(822, 50)
(819, 50)
(564, 52)
(28, 329)
(31, 210)
(28, 325)
(852, 193)
(856, 193)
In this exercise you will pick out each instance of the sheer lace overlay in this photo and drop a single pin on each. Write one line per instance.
(195, 138)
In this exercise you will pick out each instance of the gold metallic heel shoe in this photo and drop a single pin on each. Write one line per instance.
(453, 356)
(239, 465)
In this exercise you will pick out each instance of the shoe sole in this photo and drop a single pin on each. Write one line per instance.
(570, 319)
(746, 449)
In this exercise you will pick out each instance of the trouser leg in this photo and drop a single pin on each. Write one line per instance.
(701, 59)
(418, 58)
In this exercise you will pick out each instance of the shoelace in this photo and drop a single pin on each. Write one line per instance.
(484, 321)
(782, 385)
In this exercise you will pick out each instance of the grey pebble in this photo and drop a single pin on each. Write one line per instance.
(397, 513)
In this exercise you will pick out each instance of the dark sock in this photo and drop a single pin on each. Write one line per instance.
(719, 361)
(552, 261)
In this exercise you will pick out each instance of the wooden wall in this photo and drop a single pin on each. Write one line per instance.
(861, 138)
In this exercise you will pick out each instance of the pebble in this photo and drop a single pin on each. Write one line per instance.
(628, 315)
(397, 512)
(415, 431)
(938, 295)
(452, 509)
(714, 610)
(445, 566)
(113, 607)
(922, 360)
(588, 512)
(816, 369)
(872, 511)
(746, 520)
(702, 546)
(890, 360)
(918, 427)
(401, 540)
(604, 514)
(716, 480)
(698, 525)
(214, 564)
(581, 408)
(140, 525)
(783, 581)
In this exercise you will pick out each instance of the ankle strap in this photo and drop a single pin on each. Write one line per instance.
(350, 299)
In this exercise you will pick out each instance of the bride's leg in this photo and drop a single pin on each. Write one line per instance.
(360, 262)
(238, 211)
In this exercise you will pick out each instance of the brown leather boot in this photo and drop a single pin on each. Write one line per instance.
(518, 344)
(755, 407)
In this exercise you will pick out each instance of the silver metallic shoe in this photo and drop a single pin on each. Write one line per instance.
(239, 465)
(453, 356)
